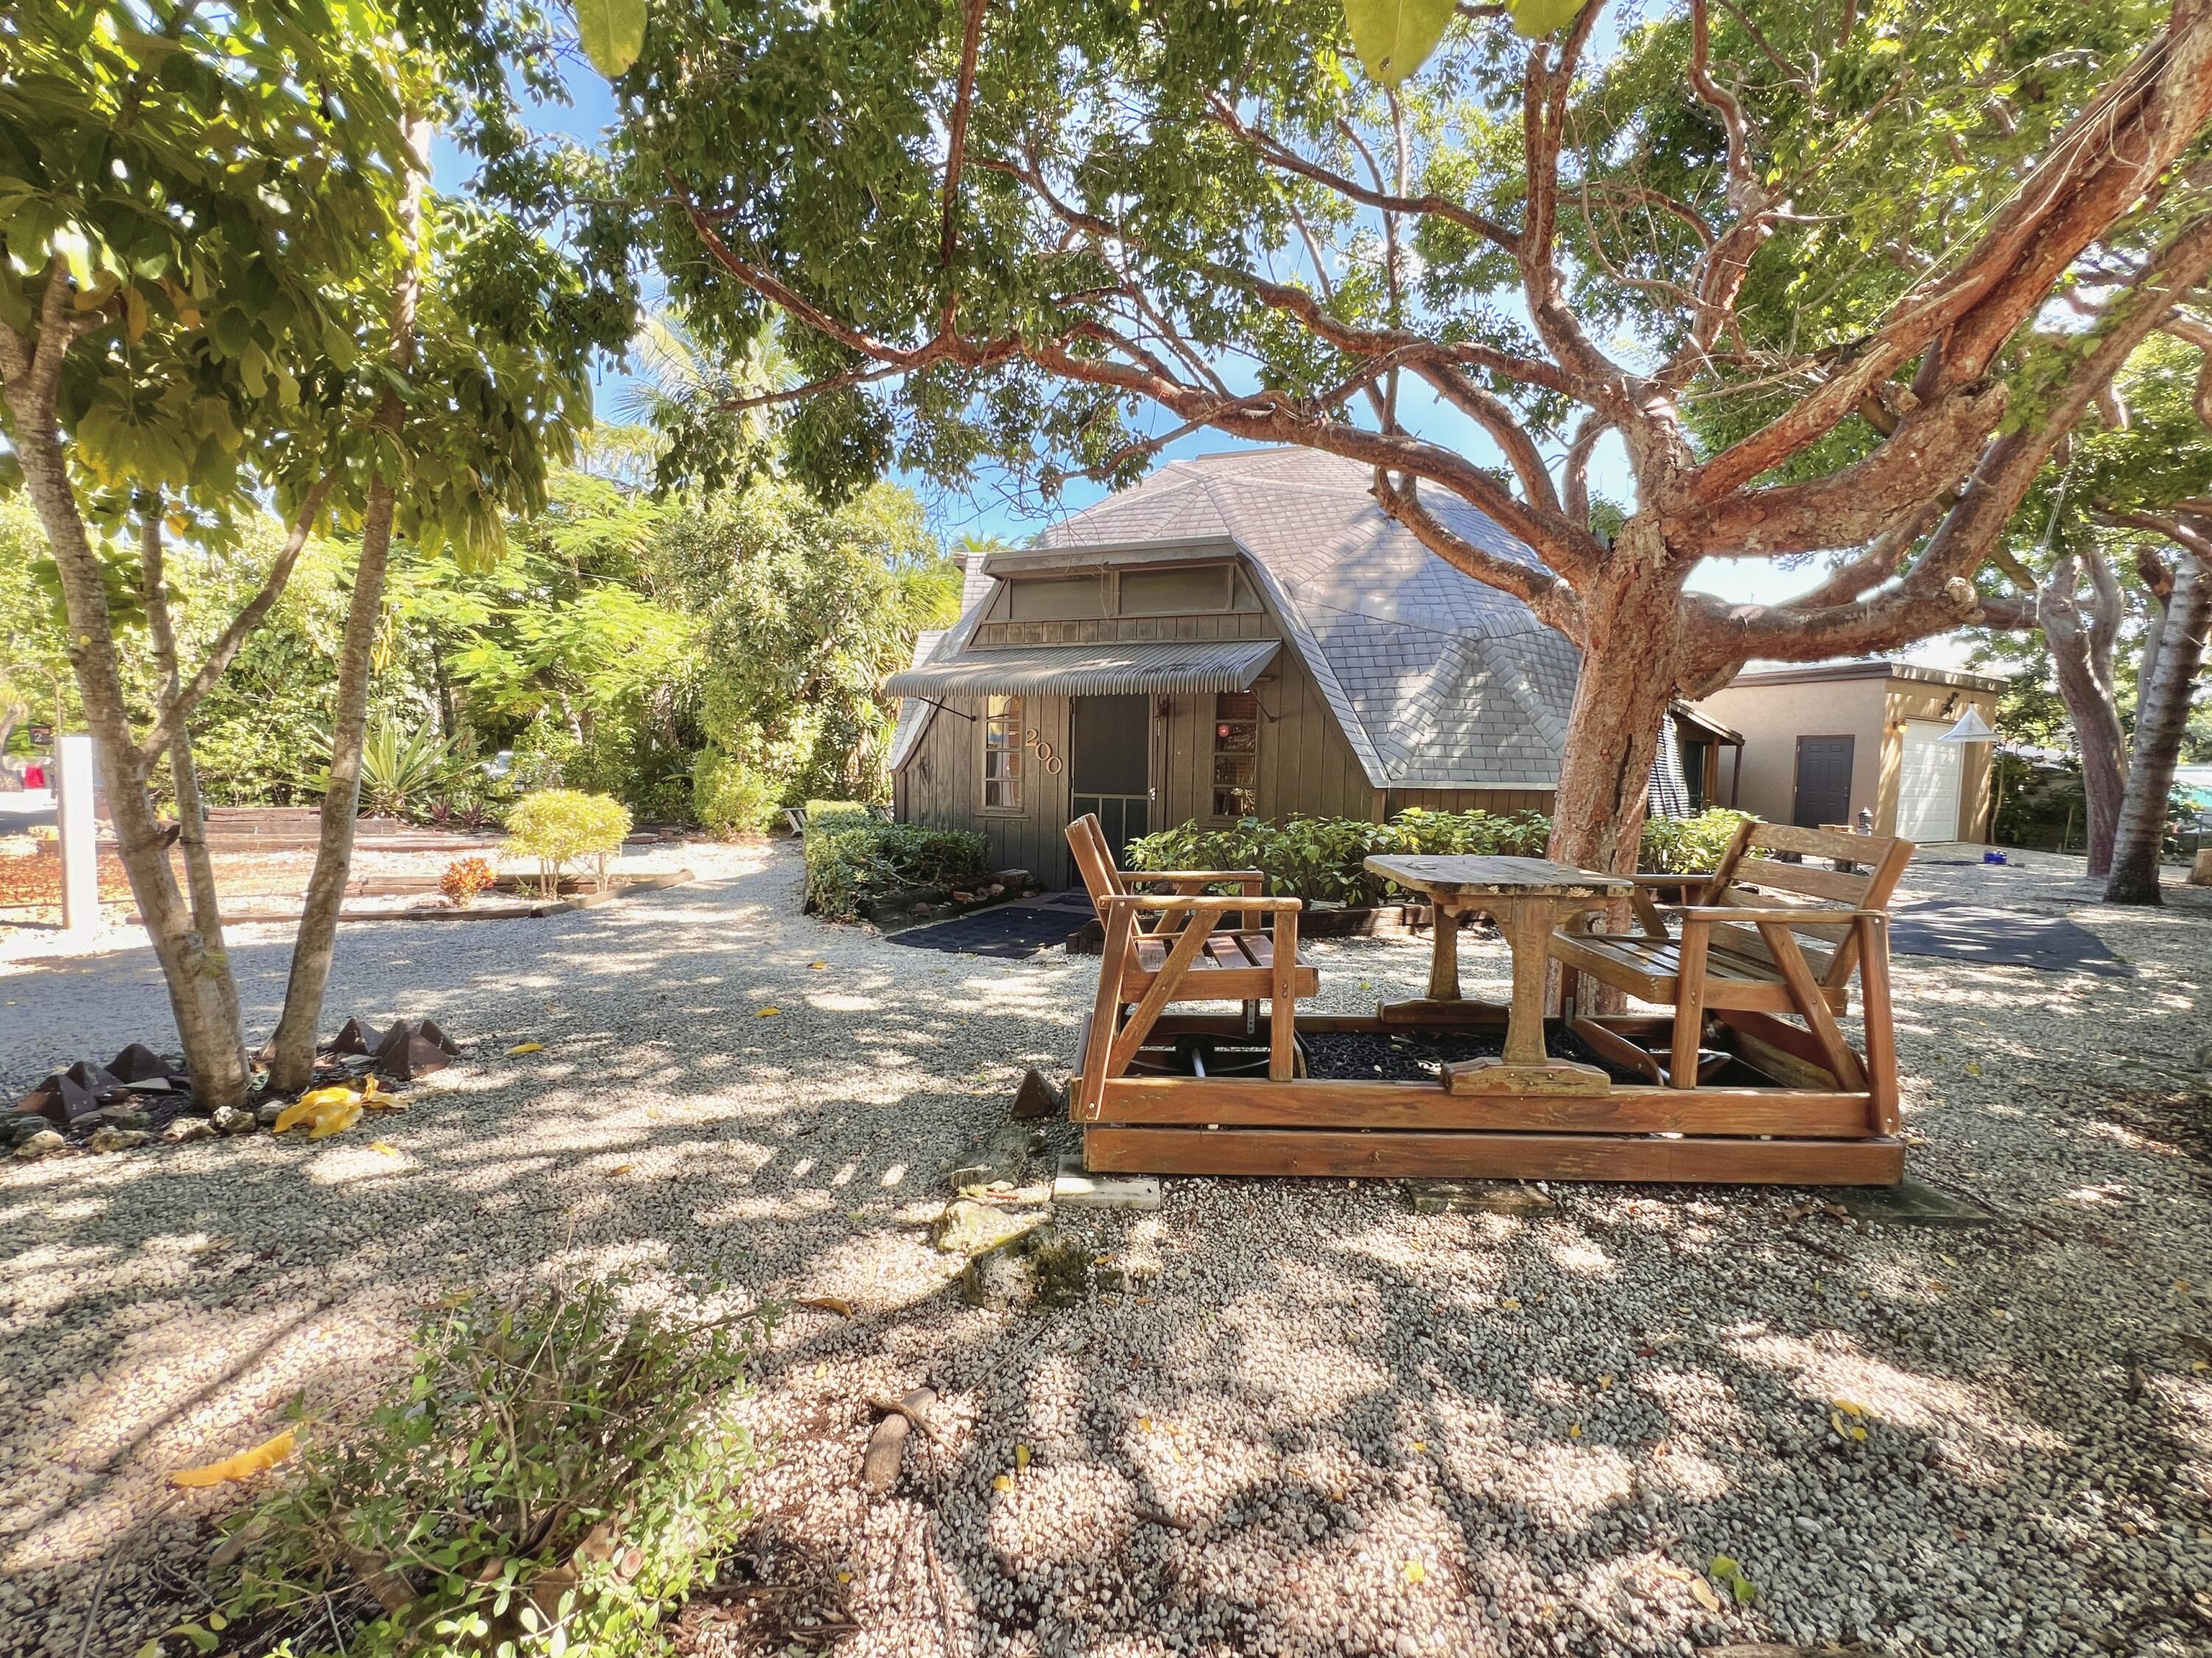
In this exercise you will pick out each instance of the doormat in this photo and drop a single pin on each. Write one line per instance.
(2002, 937)
(1013, 931)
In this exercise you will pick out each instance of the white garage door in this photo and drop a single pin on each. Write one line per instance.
(1928, 783)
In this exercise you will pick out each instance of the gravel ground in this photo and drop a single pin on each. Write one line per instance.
(1315, 1422)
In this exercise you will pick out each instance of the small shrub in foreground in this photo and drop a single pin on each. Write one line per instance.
(558, 826)
(556, 1474)
(464, 878)
(730, 796)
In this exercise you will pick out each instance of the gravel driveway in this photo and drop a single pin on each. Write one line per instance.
(1316, 1422)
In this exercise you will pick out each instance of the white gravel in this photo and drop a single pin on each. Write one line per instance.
(1378, 1432)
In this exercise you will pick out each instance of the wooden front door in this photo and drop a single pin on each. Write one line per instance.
(1824, 781)
(1109, 765)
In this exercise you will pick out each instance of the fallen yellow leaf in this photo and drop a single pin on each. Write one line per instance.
(1702, 1592)
(1020, 1456)
(335, 1119)
(619, 1169)
(1508, 1305)
(311, 1105)
(244, 1466)
(1420, 1445)
(1574, 1430)
(837, 1304)
(1004, 1482)
(388, 1151)
(1416, 1572)
(1604, 1384)
(765, 1012)
(524, 1048)
(819, 967)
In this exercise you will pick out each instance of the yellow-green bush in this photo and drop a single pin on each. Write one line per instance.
(558, 826)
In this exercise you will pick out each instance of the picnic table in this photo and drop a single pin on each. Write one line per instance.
(1528, 898)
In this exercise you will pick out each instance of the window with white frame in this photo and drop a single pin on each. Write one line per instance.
(1002, 754)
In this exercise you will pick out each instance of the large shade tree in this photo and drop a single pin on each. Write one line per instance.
(1786, 264)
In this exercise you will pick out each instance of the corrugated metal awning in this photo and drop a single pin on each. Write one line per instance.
(1171, 665)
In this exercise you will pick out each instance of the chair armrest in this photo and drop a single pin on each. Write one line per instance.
(1709, 914)
(1205, 903)
(1671, 880)
(1153, 877)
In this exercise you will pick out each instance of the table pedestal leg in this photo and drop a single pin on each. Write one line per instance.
(1525, 1067)
(1443, 963)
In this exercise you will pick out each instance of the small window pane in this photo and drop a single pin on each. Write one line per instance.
(1175, 593)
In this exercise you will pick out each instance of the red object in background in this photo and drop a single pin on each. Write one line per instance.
(35, 777)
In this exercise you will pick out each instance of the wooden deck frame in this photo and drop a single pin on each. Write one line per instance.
(1811, 1130)
(1730, 1089)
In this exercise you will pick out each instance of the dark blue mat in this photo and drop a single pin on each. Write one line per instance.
(2001, 938)
(1013, 930)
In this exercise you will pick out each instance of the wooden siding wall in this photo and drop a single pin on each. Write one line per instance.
(1306, 763)
(942, 785)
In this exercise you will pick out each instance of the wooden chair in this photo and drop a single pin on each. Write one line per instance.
(1790, 947)
(1176, 947)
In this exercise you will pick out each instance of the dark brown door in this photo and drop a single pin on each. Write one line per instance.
(1109, 765)
(1824, 781)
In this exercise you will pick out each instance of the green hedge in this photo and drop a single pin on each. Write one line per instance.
(852, 857)
(1321, 858)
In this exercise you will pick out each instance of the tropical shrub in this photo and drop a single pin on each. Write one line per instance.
(403, 769)
(556, 1474)
(729, 797)
(558, 826)
(1321, 858)
(464, 878)
(854, 857)
(1687, 846)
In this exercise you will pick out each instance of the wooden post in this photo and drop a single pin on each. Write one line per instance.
(1689, 1004)
(80, 848)
(1880, 1028)
(1282, 997)
(2200, 872)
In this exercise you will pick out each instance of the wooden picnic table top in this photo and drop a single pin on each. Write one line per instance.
(1467, 874)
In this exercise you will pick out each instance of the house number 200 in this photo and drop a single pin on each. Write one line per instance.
(1046, 757)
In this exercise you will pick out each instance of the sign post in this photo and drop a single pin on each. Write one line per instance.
(74, 810)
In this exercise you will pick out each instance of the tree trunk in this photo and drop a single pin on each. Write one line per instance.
(2161, 720)
(202, 998)
(1631, 656)
(2082, 656)
(292, 1058)
(184, 772)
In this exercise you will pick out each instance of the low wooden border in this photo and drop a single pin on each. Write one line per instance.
(1808, 1130)
(625, 885)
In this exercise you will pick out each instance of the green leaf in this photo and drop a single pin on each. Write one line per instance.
(1394, 38)
(613, 33)
(1535, 19)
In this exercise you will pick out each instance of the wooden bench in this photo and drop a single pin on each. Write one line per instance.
(1761, 938)
(1181, 946)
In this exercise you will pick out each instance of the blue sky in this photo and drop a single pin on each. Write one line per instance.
(985, 506)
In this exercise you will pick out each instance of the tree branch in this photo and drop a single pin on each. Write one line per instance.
(179, 708)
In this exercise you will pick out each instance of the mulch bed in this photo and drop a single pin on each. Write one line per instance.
(1416, 1056)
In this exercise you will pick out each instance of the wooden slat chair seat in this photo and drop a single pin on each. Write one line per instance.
(1174, 947)
(1762, 936)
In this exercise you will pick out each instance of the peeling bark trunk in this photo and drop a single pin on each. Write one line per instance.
(203, 997)
(2081, 653)
(2161, 719)
(292, 1057)
(1631, 665)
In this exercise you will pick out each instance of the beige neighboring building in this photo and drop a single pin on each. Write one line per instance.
(1822, 744)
